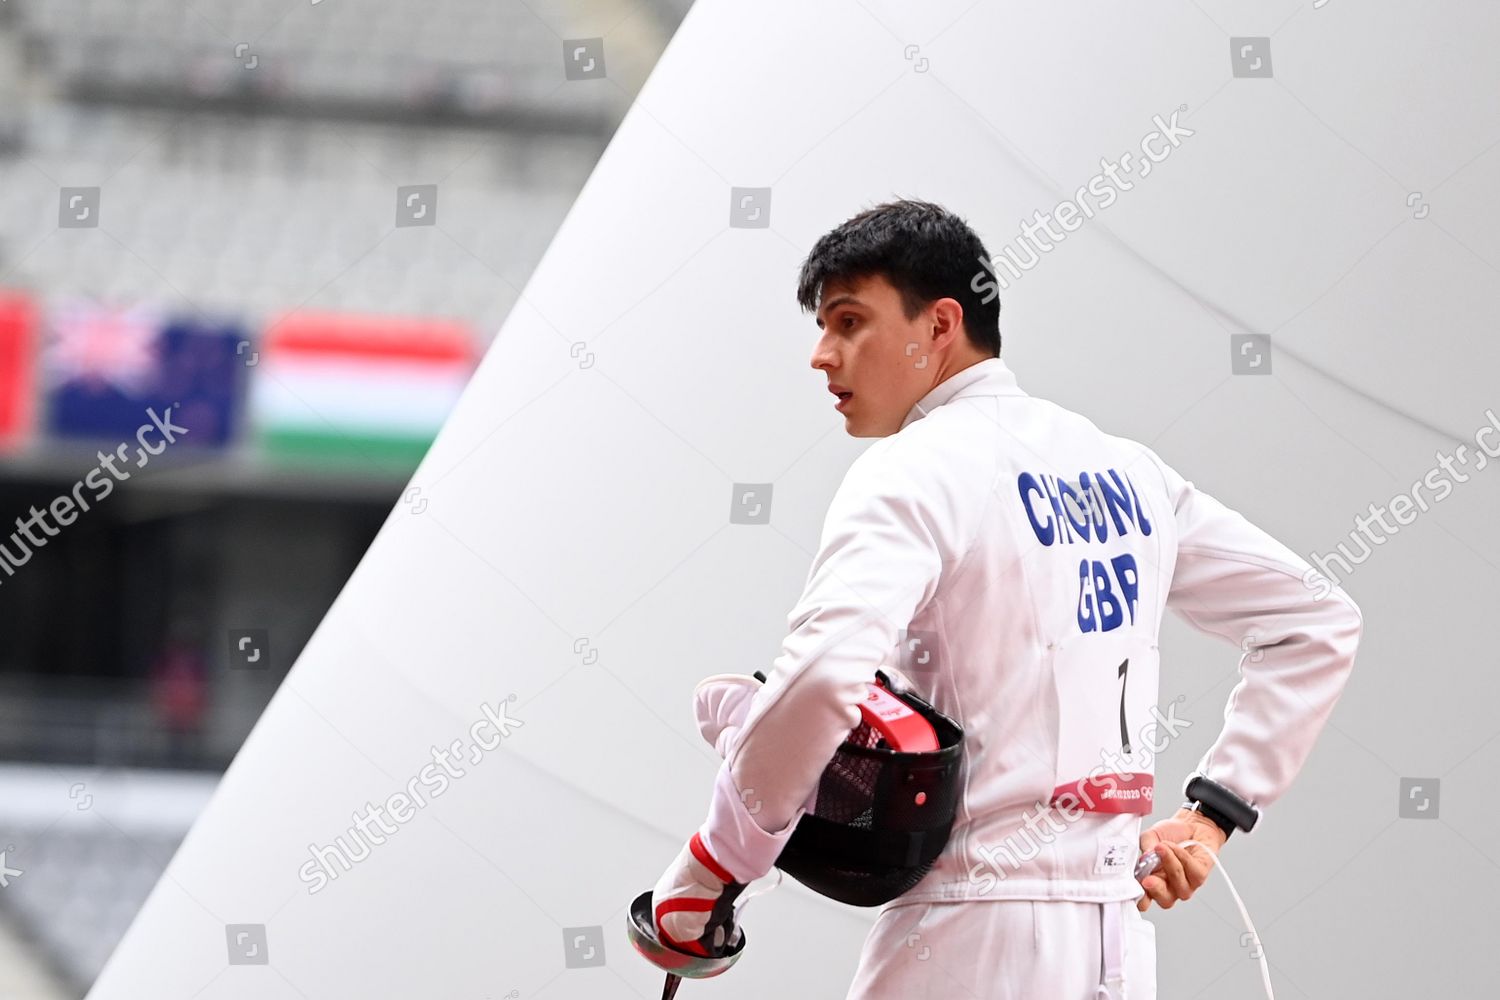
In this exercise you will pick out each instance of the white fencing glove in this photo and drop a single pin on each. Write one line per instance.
(720, 704)
(693, 902)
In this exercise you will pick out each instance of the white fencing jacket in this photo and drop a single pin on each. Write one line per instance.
(1010, 562)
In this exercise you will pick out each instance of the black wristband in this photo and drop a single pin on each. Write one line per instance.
(1227, 810)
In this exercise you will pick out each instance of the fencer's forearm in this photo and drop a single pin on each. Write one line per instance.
(1289, 685)
(777, 761)
(756, 806)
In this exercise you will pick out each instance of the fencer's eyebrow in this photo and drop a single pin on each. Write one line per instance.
(841, 300)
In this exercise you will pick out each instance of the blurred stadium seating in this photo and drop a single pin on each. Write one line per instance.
(240, 163)
(94, 845)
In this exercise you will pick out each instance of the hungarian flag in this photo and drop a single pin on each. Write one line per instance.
(366, 389)
(17, 364)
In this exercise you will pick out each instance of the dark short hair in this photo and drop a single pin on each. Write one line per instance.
(922, 249)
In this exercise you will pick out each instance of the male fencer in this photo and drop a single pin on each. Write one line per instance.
(1011, 561)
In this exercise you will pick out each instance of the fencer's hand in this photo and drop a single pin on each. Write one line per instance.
(1183, 869)
(720, 704)
(693, 902)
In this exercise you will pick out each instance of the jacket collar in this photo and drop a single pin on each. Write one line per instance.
(990, 377)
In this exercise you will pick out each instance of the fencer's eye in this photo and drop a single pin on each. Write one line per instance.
(848, 320)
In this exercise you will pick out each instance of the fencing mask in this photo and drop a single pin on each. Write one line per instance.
(884, 805)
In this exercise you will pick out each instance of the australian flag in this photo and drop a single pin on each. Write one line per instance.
(106, 366)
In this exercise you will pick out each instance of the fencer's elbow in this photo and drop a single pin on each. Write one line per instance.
(1354, 619)
(1346, 628)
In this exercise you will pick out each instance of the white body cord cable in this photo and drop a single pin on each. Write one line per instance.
(1260, 951)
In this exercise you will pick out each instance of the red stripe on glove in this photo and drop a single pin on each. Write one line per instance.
(707, 860)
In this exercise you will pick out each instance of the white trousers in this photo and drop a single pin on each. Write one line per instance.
(1008, 950)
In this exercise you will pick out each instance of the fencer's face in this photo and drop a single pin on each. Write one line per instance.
(868, 349)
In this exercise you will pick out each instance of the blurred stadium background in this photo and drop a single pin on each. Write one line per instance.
(297, 224)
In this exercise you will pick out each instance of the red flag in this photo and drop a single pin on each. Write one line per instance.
(17, 365)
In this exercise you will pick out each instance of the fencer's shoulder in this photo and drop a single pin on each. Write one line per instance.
(918, 475)
(1145, 464)
(933, 453)
(883, 467)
